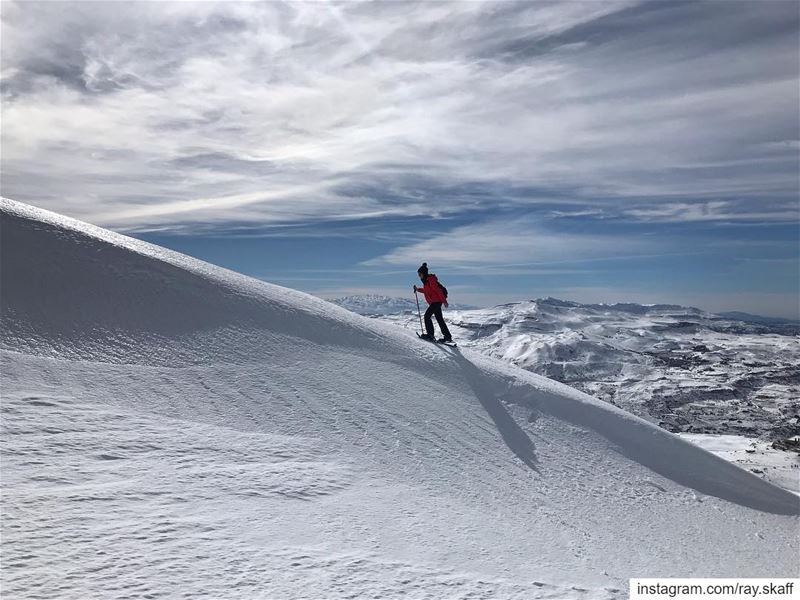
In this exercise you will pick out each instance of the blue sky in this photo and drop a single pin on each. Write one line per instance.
(593, 151)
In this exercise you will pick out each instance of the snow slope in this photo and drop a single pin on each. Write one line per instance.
(170, 428)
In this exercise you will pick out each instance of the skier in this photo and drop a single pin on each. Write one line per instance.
(434, 296)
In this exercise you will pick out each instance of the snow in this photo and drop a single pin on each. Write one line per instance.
(376, 304)
(171, 428)
(781, 467)
(684, 369)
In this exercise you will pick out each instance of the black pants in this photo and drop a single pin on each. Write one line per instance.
(436, 309)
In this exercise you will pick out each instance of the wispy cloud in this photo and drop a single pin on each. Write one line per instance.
(153, 115)
(777, 304)
(716, 210)
(520, 244)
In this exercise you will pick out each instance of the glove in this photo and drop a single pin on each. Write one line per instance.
(415, 289)
(446, 304)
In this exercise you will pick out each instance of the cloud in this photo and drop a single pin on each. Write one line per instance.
(519, 245)
(154, 115)
(715, 210)
(765, 303)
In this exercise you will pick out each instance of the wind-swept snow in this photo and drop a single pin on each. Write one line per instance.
(172, 428)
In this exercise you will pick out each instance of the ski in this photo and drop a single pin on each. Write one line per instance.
(443, 343)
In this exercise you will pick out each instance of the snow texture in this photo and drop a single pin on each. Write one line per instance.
(174, 429)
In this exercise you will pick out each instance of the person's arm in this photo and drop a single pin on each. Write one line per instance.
(421, 290)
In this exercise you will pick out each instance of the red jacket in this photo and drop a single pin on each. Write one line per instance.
(433, 293)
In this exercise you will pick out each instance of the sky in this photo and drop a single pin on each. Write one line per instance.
(591, 151)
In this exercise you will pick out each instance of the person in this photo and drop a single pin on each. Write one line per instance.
(435, 297)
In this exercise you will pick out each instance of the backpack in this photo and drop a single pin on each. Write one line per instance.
(444, 289)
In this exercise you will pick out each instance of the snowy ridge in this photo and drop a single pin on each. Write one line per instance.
(173, 427)
(192, 298)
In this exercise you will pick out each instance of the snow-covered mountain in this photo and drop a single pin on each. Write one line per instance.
(683, 368)
(171, 428)
(773, 324)
(377, 305)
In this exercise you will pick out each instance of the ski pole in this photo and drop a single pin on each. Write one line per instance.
(421, 330)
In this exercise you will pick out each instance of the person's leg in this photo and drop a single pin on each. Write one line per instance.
(429, 321)
(440, 320)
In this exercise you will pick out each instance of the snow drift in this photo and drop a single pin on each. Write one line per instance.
(173, 426)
